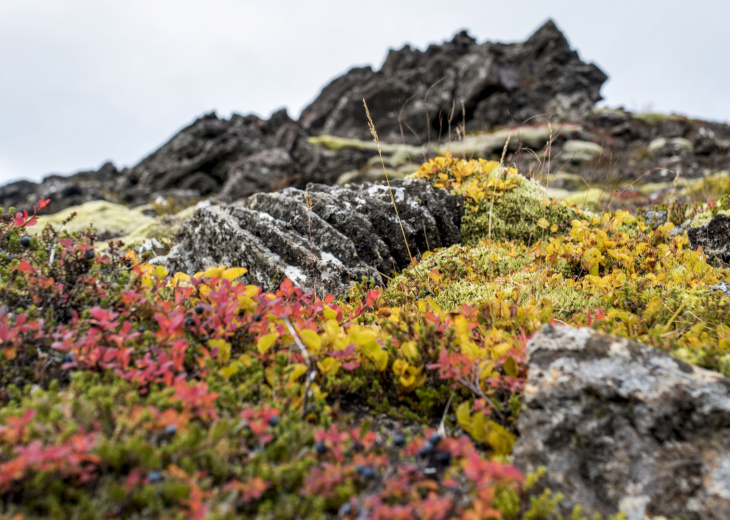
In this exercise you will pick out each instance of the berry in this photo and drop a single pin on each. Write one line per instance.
(256, 317)
(154, 477)
(358, 447)
(199, 309)
(274, 421)
(68, 357)
(399, 440)
(443, 458)
(426, 451)
(189, 321)
(25, 241)
(367, 473)
(435, 439)
(141, 328)
(90, 254)
(170, 430)
(321, 448)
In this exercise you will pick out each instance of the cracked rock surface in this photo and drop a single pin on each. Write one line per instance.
(354, 233)
(622, 426)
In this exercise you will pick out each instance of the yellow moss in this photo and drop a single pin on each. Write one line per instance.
(106, 217)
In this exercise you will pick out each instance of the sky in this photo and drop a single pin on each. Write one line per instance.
(83, 82)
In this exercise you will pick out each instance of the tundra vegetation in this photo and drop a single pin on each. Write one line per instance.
(127, 391)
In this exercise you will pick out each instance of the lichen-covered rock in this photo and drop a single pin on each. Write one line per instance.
(354, 233)
(713, 237)
(622, 426)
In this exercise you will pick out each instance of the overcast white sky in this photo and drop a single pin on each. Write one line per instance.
(86, 81)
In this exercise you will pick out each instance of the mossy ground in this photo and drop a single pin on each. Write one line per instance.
(130, 392)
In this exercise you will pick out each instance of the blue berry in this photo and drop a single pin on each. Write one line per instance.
(321, 448)
(399, 440)
(25, 241)
(435, 439)
(366, 472)
(426, 451)
(199, 309)
(154, 477)
(274, 421)
(170, 430)
(90, 254)
(443, 457)
(346, 509)
(68, 357)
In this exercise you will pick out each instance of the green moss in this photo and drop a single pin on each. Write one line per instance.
(107, 217)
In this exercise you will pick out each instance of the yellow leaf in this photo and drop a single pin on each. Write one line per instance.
(410, 350)
(479, 427)
(510, 366)
(543, 223)
(264, 343)
(181, 279)
(234, 272)
(435, 307)
(329, 366)
(500, 439)
(131, 256)
(229, 370)
(224, 349)
(329, 313)
(554, 228)
(311, 340)
(297, 370)
(463, 418)
(214, 272)
(160, 272)
(365, 341)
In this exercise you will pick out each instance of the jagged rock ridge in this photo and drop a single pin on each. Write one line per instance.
(416, 92)
(354, 233)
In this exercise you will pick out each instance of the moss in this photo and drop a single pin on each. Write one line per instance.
(107, 217)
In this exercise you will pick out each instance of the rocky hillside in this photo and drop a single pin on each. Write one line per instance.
(460, 96)
(519, 329)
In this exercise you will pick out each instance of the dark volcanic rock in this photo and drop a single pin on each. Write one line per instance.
(354, 233)
(498, 83)
(714, 238)
(622, 426)
(63, 191)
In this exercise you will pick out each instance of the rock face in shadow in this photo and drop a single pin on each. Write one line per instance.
(714, 238)
(354, 233)
(499, 84)
(622, 426)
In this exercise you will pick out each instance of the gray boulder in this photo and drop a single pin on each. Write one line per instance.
(354, 233)
(621, 426)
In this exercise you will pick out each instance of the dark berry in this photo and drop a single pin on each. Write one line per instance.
(426, 451)
(199, 309)
(320, 448)
(154, 477)
(399, 440)
(273, 421)
(25, 241)
(443, 458)
(90, 254)
(367, 473)
(68, 357)
(435, 439)
(256, 317)
(358, 447)
(170, 430)
(141, 328)
(452, 419)
(427, 292)
(189, 321)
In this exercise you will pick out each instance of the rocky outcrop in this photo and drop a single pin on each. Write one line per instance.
(622, 426)
(354, 233)
(415, 93)
(714, 238)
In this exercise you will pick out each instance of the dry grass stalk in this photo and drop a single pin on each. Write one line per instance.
(382, 162)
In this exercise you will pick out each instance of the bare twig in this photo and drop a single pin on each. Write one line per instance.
(310, 368)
